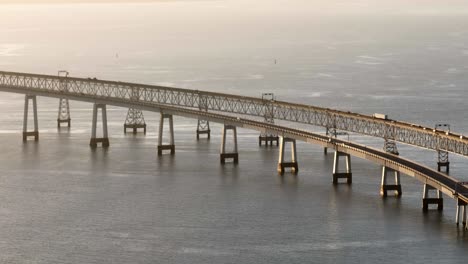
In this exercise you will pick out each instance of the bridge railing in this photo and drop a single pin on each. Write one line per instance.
(363, 124)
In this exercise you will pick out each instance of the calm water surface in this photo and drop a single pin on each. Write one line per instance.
(65, 203)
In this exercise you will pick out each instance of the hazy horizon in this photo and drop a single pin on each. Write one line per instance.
(430, 7)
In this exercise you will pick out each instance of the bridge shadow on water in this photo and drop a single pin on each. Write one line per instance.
(31, 153)
(64, 130)
(289, 181)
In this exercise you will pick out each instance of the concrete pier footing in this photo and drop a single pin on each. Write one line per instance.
(166, 147)
(268, 139)
(348, 175)
(134, 128)
(234, 155)
(439, 201)
(204, 132)
(64, 121)
(35, 132)
(203, 128)
(171, 145)
(292, 164)
(95, 141)
(104, 140)
(443, 165)
(134, 121)
(385, 187)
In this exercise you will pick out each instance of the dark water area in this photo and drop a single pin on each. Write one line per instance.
(63, 202)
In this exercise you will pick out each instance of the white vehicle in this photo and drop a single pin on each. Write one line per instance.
(380, 116)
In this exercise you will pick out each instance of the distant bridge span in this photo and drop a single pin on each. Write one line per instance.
(214, 106)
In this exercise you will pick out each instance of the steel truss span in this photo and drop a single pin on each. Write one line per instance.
(92, 88)
(182, 102)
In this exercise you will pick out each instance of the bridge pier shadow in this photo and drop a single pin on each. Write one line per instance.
(289, 183)
(65, 130)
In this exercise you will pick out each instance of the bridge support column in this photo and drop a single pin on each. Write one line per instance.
(282, 165)
(269, 116)
(461, 208)
(35, 132)
(203, 128)
(134, 121)
(443, 161)
(171, 145)
(442, 155)
(348, 175)
(427, 201)
(105, 138)
(446, 165)
(384, 187)
(63, 113)
(332, 133)
(234, 155)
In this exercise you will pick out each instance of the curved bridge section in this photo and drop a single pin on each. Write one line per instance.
(94, 89)
(193, 104)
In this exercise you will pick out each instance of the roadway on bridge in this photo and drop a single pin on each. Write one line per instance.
(178, 102)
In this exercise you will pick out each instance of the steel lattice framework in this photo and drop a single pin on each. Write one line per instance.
(218, 102)
(269, 116)
(135, 117)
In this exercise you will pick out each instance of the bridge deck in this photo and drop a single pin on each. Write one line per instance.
(411, 134)
(187, 103)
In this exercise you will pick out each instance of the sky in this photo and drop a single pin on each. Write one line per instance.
(423, 7)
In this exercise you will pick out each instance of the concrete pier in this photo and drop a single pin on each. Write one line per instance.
(104, 140)
(171, 145)
(439, 201)
(63, 113)
(234, 155)
(385, 187)
(282, 164)
(35, 132)
(203, 128)
(441, 166)
(348, 175)
(390, 146)
(461, 209)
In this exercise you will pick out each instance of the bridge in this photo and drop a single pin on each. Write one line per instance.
(234, 111)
